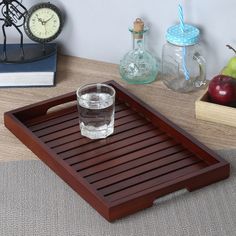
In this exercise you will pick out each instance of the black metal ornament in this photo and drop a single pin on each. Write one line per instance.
(14, 14)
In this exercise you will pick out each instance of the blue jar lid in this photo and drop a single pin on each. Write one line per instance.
(190, 36)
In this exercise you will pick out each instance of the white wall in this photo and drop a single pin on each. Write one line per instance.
(98, 29)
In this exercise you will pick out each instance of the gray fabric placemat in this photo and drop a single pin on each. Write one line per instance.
(34, 201)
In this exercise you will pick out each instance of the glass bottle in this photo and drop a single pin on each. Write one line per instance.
(183, 66)
(138, 66)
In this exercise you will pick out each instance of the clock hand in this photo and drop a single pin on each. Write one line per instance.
(39, 19)
(48, 19)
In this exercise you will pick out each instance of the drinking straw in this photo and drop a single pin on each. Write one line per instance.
(182, 28)
(181, 18)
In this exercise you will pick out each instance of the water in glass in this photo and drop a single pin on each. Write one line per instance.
(96, 114)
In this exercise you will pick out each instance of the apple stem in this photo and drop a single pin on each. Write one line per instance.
(230, 47)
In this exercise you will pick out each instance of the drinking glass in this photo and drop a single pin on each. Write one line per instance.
(96, 106)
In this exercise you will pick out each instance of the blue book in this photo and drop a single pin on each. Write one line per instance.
(37, 73)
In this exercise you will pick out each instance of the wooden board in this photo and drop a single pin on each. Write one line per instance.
(147, 156)
(206, 110)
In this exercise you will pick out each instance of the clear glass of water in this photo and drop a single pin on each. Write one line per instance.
(96, 106)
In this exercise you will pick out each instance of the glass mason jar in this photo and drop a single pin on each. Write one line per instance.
(138, 66)
(183, 66)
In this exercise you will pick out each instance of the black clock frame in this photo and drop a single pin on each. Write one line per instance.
(35, 8)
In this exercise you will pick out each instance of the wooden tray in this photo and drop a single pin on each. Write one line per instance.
(147, 156)
(206, 110)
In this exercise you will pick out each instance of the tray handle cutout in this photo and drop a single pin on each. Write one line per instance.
(170, 196)
(61, 107)
(44, 107)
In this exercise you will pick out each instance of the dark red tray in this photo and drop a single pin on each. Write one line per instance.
(147, 157)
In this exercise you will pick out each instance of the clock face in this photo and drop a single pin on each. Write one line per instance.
(43, 23)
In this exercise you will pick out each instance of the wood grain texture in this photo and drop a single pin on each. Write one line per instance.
(73, 72)
(206, 110)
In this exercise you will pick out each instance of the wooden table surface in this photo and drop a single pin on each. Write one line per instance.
(73, 72)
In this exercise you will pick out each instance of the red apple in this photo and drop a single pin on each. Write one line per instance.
(222, 90)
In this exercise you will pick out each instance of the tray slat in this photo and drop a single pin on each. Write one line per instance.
(133, 159)
(148, 160)
(70, 120)
(145, 158)
(146, 168)
(75, 136)
(156, 181)
(92, 145)
(108, 148)
(77, 164)
(53, 122)
(123, 183)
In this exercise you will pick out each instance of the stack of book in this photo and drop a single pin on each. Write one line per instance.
(30, 74)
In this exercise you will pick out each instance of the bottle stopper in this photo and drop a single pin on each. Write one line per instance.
(138, 28)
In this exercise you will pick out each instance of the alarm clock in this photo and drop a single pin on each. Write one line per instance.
(44, 22)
